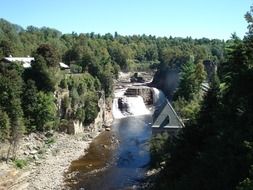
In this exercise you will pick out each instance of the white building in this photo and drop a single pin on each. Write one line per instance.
(26, 61)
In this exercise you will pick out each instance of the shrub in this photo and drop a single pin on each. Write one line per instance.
(20, 163)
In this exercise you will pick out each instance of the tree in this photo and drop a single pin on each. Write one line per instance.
(49, 54)
(29, 105)
(215, 151)
(187, 86)
(45, 111)
(4, 126)
(10, 101)
(200, 75)
(91, 107)
(6, 48)
(107, 80)
(45, 78)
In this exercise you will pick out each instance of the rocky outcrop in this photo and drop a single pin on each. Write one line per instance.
(104, 116)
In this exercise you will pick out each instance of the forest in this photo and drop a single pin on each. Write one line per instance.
(27, 96)
(214, 150)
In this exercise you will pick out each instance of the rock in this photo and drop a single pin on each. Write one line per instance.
(26, 139)
(108, 129)
(36, 148)
(33, 152)
(28, 147)
(105, 146)
(162, 163)
(35, 157)
(26, 153)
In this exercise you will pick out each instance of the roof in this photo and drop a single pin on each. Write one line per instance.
(25, 60)
(20, 59)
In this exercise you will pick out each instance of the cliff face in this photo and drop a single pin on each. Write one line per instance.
(75, 126)
(104, 117)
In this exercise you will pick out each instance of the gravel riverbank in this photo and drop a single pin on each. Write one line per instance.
(46, 169)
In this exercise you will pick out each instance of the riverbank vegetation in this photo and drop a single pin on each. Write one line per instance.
(214, 150)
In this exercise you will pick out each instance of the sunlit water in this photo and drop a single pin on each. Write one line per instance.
(123, 167)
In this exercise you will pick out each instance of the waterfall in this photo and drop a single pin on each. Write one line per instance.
(158, 97)
(159, 101)
(133, 105)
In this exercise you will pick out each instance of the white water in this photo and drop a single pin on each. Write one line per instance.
(158, 97)
(136, 105)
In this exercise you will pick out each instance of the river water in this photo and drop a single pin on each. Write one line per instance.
(110, 167)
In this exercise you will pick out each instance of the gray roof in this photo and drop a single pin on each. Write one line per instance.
(167, 117)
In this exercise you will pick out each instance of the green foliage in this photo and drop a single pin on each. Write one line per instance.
(91, 107)
(45, 111)
(50, 141)
(107, 83)
(45, 77)
(29, 105)
(187, 88)
(95, 61)
(4, 126)
(10, 99)
(215, 151)
(187, 109)
(188, 95)
(20, 163)
(159, 146)
(63, 84)
(49, 54)
(83, 97)
(75, 68)
(247, 184)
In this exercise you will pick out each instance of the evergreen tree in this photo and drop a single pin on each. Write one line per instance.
(29, 105)
(4, 126)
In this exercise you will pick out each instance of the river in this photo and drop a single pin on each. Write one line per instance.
(108, 166)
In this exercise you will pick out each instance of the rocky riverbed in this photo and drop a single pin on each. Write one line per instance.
(46, 165)
(48, 157)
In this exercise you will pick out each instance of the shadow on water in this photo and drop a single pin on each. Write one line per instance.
(110, 167)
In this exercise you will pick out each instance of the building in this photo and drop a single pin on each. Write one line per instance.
(26, 61)
(166, 119)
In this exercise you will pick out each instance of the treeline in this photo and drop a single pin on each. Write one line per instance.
(214, 150)
(93, 50)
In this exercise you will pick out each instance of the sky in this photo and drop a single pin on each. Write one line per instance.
(177, 18)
